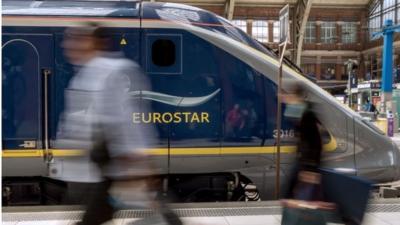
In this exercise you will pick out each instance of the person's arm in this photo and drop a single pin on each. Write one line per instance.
(127, 141)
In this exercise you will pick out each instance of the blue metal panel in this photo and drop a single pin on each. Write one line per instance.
(205, 71)
(200, 78)
(197, 79)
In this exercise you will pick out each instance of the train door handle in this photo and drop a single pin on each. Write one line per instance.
(46, 72)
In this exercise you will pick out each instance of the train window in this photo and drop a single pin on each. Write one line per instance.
(24, 58)
(243, 110)
(20, 90)
(163, 52)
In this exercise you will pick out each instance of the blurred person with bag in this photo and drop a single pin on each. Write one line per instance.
(304, 202)
(97, 118)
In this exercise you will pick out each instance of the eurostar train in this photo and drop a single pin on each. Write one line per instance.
(213, 98)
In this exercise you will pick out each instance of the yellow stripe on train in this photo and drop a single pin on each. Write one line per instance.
(329, 147)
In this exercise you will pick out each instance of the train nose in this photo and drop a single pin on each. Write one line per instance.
(396, 160)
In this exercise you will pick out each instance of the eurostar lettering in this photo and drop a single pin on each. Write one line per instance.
(168, 117)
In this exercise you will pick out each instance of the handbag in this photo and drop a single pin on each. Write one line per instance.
(309, 216)
(308, 206)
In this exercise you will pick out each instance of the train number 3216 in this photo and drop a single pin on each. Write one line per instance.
(284, 133)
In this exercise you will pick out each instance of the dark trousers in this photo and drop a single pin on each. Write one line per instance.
(77, 193)
(99, 209)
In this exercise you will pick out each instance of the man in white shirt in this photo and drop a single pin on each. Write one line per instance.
(96, 118)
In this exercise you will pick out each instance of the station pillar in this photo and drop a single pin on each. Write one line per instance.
(387, 68)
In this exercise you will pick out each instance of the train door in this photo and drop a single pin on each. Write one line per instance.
(184, 75)
(27, 63)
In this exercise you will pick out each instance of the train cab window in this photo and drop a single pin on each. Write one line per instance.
(163, 52)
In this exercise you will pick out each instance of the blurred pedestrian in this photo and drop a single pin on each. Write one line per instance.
(304, 201)
(97, 117)
(367, 106)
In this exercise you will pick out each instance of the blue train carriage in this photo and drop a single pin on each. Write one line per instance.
(213, 100)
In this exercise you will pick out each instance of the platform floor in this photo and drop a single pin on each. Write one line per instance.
(370, 219)
(382, 212)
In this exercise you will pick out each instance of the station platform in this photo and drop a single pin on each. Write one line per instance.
(379, 212)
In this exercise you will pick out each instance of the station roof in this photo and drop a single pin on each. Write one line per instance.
(250, 3)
